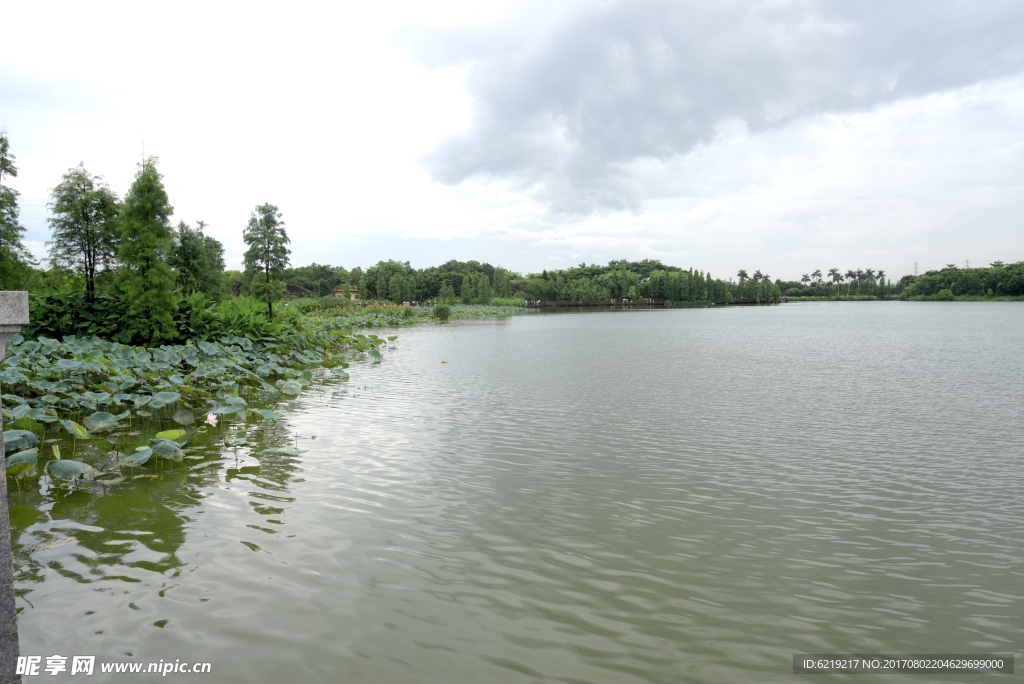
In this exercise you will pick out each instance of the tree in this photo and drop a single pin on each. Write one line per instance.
(817, 276)
(833, 273)
(84, 227)
(146, 235)
(198, 260)
(14, 257)
(850, 277)
(805, 279)
(467, 289)
(267, 252)
(742, 275)
(881, 281)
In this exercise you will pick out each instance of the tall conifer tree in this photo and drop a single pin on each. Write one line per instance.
(267, 255)
(146, 235)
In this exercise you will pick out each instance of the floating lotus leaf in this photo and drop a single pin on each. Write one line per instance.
(265, 413)
(16, 440)
(102, 421)
(75, 429)
(373, 353)
(167, 448)
(392, 338)
(233, 440)
(340, 373)
(291, 387)
(161, 399)
(144, 414)
(137, 458)
(70, 470)
(170, 434)
(183, 417)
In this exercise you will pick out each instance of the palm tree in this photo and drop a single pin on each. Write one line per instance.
(757, 276)
(805, 279)
(870, 274)
(834, 274)
(742, 275)
(817, 277)
(850, 277)
(881, 280)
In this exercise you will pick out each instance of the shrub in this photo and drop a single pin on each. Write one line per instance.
(944, 295)
(442, 312)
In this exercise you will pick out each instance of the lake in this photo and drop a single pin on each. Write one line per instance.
(681, 495)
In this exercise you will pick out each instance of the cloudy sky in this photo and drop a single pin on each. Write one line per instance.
(783, 136)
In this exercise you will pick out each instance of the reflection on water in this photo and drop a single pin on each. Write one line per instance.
(670, 496)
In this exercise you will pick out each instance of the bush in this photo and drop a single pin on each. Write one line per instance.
(442, 312)
(519, 294)
(944, 295)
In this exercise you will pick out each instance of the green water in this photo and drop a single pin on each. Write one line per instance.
(636, 496)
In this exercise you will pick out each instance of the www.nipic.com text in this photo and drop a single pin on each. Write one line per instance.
(85, 665)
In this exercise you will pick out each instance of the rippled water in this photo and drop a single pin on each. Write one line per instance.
(649, 496)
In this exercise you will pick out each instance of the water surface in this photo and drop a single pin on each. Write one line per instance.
(687, 495)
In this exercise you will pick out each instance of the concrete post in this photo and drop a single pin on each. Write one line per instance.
(13, 315)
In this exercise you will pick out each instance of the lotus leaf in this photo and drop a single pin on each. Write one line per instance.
(264, 413)
(102, 421)
(291, 387)
(170, 434)
(162, 399)
(16, 440)
(176, 379)
(12, 397)
(392, 338)
(226, 410)
(144, 414)
(137, 458)
(96, 396)
(49, 399)
(141, 401)
(167, 448)
(373, 353)
(70, 470)
(20, 411)
(340, 373)
(183, 417)
(75, 429)
(21, 463)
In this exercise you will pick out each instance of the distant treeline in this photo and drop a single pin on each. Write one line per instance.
(996, 280)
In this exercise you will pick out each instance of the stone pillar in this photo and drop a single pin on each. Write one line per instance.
(13, 315)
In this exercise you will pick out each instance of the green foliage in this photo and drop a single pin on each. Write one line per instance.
(267, 253)
(85, 238)
(442, 311)
(198, 261)
(944, 296)
(1004, 280)
(14, 257)
(145, 243)
(501, 301)
(318, 279)
(60, 314)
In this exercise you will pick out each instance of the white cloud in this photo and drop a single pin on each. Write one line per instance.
(782, 136)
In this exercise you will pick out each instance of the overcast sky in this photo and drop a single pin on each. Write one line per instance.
(780, 136)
